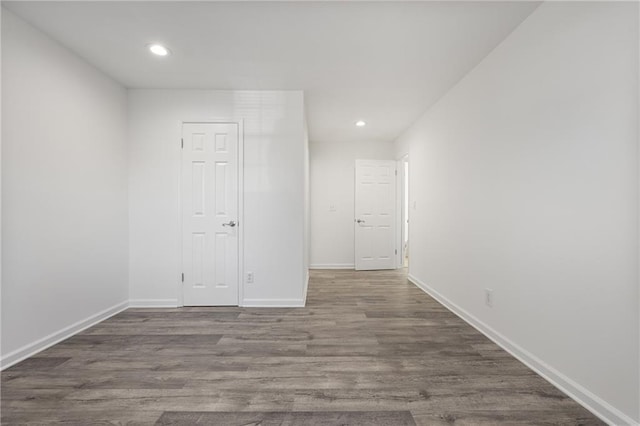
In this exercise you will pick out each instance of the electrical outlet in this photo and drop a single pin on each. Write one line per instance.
(249, 277)
(488, 297)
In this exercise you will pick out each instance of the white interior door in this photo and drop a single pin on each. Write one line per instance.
(210, 214)
(375, 210)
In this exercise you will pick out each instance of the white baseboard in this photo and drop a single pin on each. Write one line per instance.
(58, 336)
(273, 303)
(599, 407)
(153, 303)
(332, 266)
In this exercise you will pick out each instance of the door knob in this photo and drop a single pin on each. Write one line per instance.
(231, 223)
(359, 221)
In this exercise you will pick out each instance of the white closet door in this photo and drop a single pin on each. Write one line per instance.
(375, 209)
(210, 214)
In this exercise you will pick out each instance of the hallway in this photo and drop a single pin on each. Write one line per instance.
(367, 343)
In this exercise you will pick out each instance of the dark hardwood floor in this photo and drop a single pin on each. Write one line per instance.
(367, 342)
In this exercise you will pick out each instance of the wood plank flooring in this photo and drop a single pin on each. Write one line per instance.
(366, 342)
(289, 418)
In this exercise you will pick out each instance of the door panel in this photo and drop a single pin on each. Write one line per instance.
(209, 208)
(375, 209)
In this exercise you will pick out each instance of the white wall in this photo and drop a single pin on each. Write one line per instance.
(273, 190)
(332, 198)
(64, 206)
(525, 177)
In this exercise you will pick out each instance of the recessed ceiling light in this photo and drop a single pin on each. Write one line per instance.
(360, 123)
(158, 49)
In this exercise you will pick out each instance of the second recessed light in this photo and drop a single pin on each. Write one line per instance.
(360, 123)
(158, 49)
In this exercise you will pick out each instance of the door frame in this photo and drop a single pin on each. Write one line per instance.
(401, 180)
(240, 123)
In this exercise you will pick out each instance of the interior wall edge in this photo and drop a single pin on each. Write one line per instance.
(596, 405)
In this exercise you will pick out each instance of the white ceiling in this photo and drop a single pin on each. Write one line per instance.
(382, 62)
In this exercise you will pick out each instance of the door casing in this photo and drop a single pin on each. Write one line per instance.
(402, 179)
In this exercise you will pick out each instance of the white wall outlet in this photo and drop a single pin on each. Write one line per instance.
(332, 207)
(488, 297)
(249, 277)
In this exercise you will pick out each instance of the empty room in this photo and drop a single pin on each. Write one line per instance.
(320, 213)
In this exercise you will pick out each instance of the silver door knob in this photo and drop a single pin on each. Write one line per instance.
(230, 223)
(359, 221)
